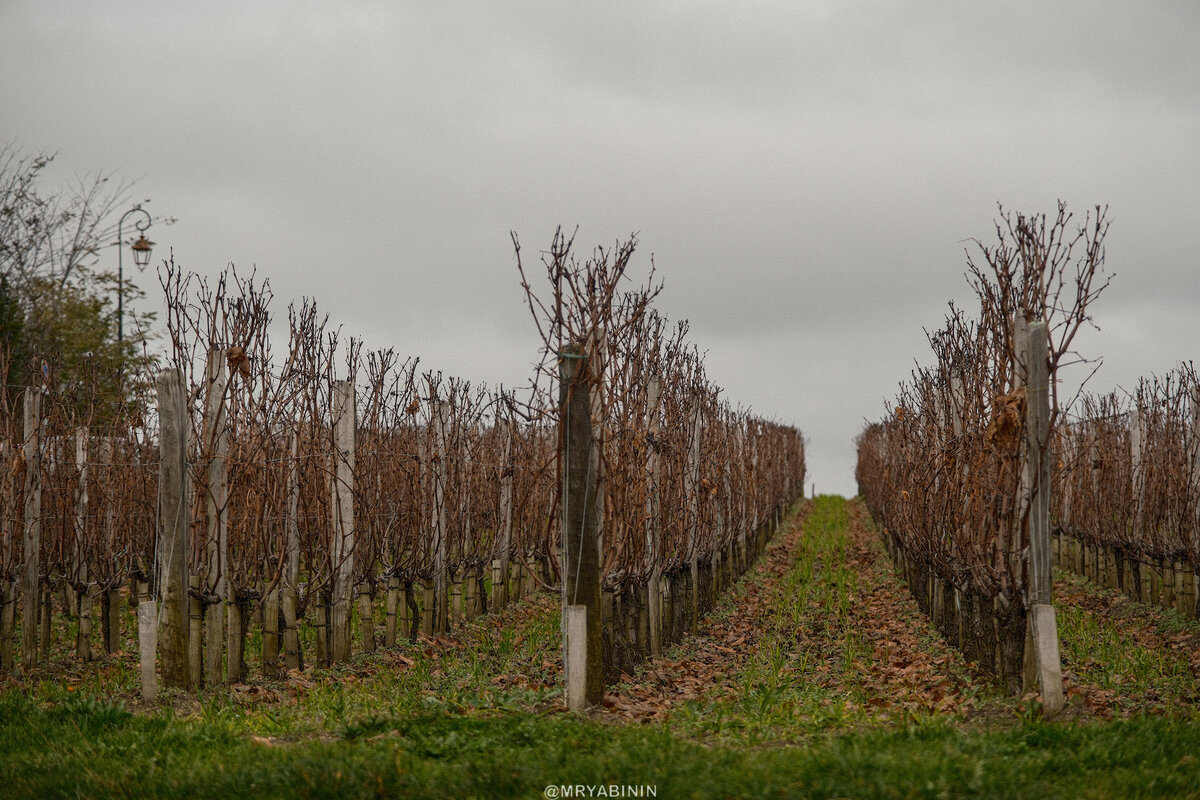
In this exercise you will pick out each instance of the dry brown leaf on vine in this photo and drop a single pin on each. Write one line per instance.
(238, 360)
(1008, 414)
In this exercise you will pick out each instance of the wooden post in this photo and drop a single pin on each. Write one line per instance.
(83, 641)
(1194, 461)
(644, 619)
(46, 606)
(1194, 611)
(366, 617)
(110, 600)
(293, 657)
(512, 582)
(653, 516)
(393, 606)
(1037, 426)
(692, 493)
(596, 353)
(714, 570)
(344, 424)
(498, 587)
(216, 502)
(174, 546)
(743, 556)
(321, 624)
(500, 570)
(1136, 439)
(461, 572)
(110, 619)
(195, 630)
(1167, 568)
(753, 426)
(580, 517)
(439, 521)
(8, 602)
(270, 633)
(471, 594)
(427, 603)
(456, 597)
(236, 666)
(1184, 601)
(1071, 458)
(408, 612)
(31, 450)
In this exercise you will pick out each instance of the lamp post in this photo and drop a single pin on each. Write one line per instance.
(141, 257)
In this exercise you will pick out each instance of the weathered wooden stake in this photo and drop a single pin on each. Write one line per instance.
(110, 619)
(236, 666)
(653, 518)
(1037, 426)
(270, 633)
(456, 597)
(83, 643)
(500, 568)
(439, 527)
(393, 606)
(293, 656)
(344, 424)
(692, 493)
(216, 502)
(83, 647)
(580, 515)
(31, 450)
(498, 587)
(195, 630)
(321, 626)
(366, 617)
(174, 545)
(8, 604)
(471, 594)
(409, 612)
(46, 610)
(1136, 438)
(427, 593)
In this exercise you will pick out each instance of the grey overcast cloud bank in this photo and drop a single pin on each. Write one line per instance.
(807, 175)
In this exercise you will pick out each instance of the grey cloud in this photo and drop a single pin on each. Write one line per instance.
(807, 176)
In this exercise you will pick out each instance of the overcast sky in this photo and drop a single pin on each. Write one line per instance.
(807, 175)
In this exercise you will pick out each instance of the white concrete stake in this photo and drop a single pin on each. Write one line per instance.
(148, 647)
(576, 658)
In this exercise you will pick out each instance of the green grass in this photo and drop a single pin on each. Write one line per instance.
(806, 678)
(1119, 652)
(83, 747)
(780, 696)
(426, 720)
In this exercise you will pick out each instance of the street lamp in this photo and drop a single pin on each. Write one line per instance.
(141, 257)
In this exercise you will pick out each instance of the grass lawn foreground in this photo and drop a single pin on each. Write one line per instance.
(831, 687)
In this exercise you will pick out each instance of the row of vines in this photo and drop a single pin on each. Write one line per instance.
(331, 486)
(1127, 493)
(944, 473)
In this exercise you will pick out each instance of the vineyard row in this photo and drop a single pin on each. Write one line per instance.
(313, 488)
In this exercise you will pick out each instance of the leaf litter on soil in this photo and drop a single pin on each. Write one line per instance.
(826, 633)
